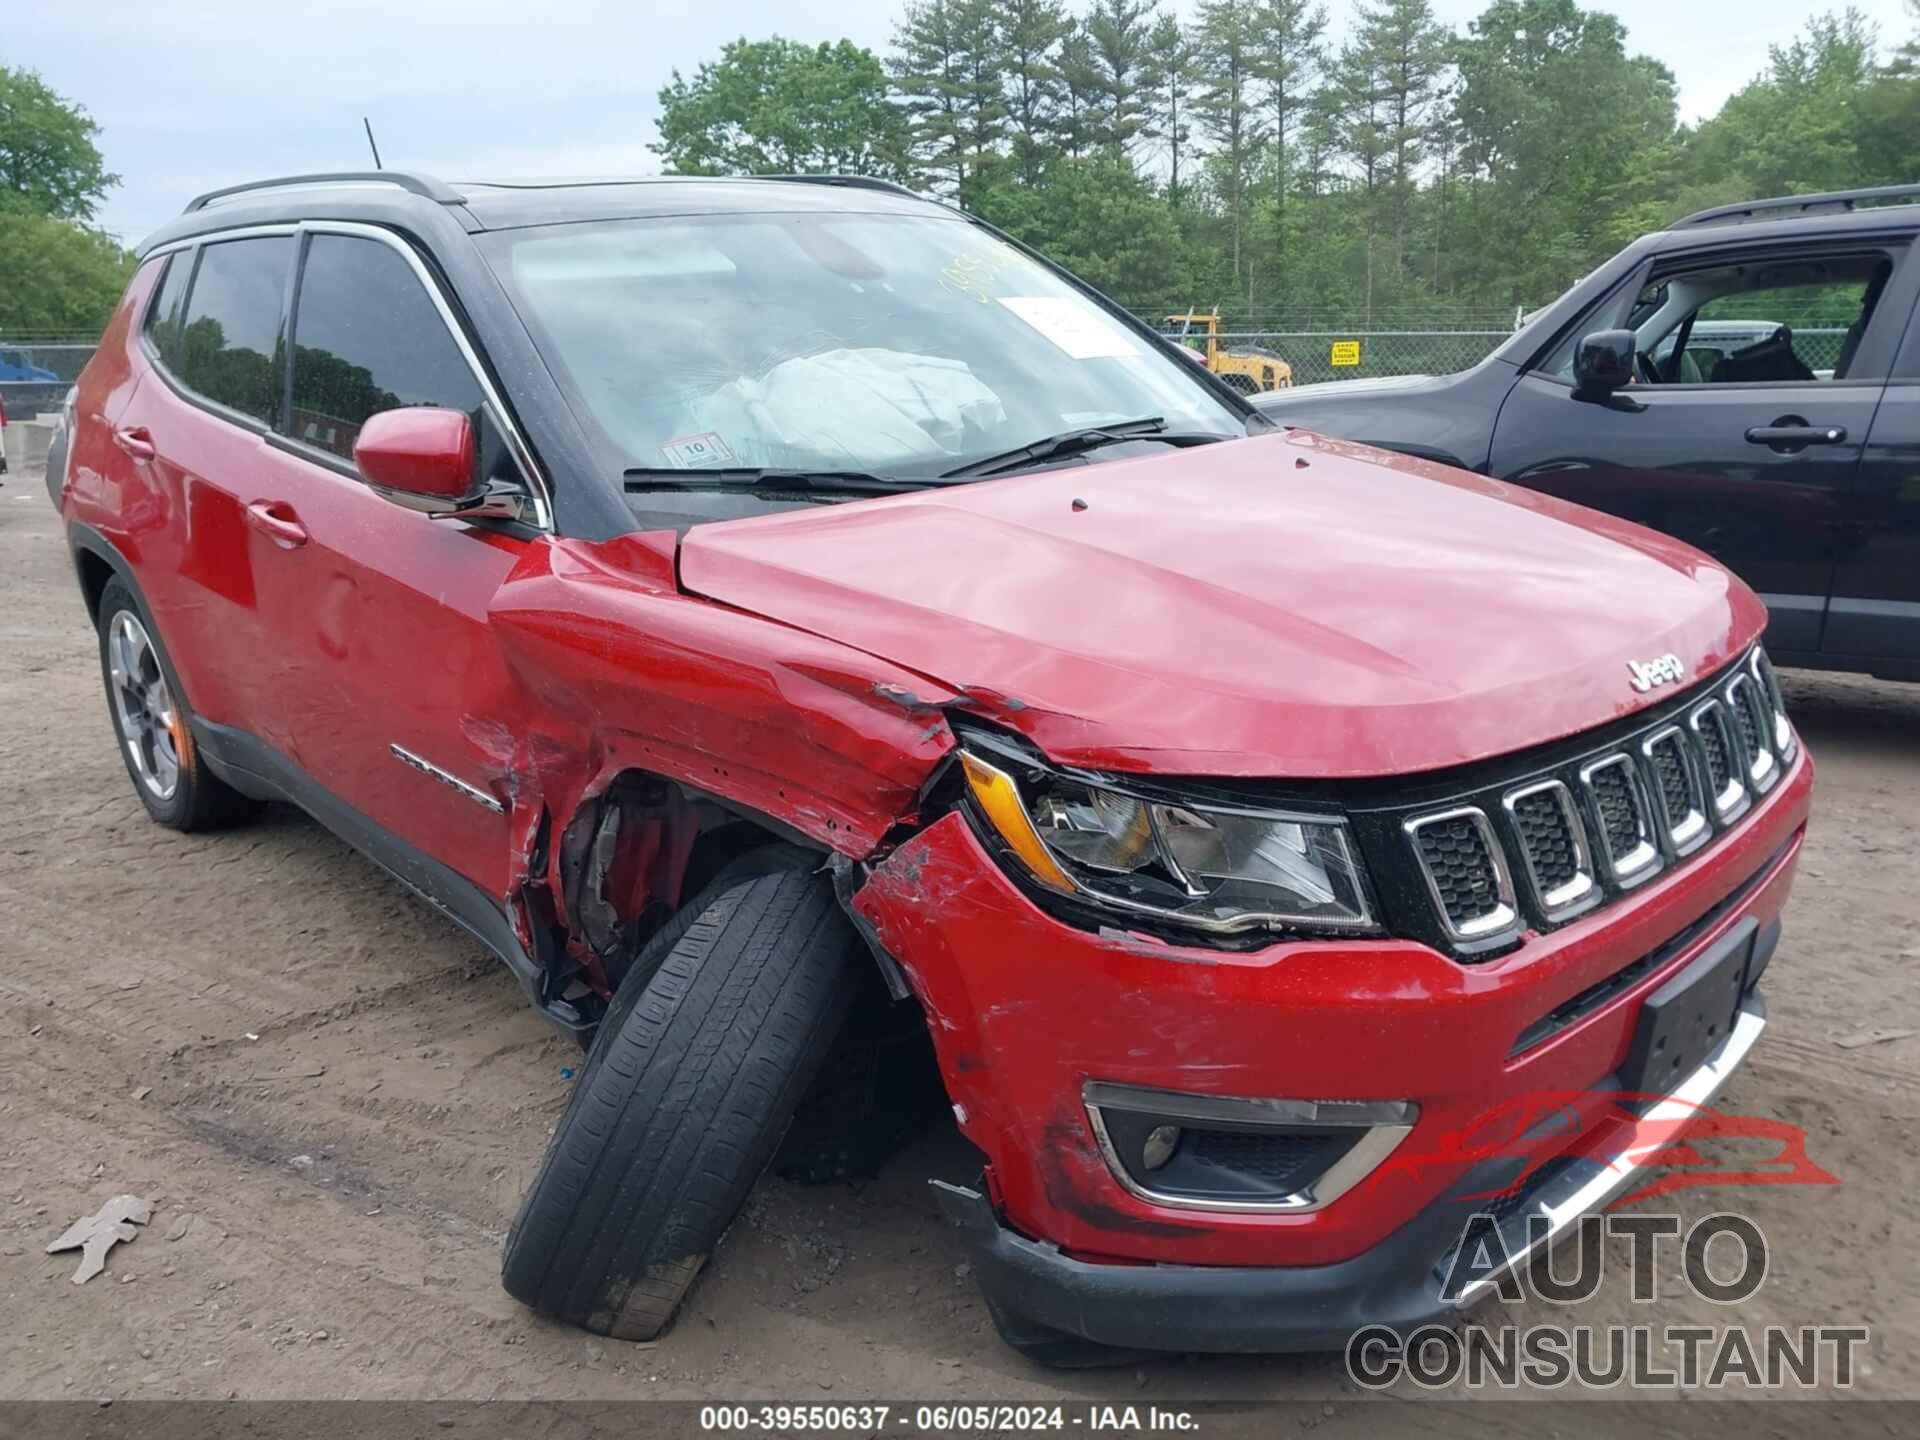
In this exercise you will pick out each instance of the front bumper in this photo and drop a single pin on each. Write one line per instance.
(1401, 1282)
(1026, 1010)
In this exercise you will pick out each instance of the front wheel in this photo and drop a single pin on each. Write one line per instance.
(714, 1035)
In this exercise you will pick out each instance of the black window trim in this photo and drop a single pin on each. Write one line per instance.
(1897, 246)
(539, 492)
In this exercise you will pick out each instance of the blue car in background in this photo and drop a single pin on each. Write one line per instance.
(16, 365)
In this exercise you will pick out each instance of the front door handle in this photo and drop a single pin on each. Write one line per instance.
(276, 520)
(135, 440)
(1791, 432)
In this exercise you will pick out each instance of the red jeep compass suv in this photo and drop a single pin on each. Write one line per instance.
(728, 599)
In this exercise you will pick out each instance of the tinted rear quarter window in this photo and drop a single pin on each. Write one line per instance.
(229, 344)
(163, 316)
(368, 338)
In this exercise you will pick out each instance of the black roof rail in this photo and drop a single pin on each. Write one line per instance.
(1797, 204)
(853, 182)
(424, 185)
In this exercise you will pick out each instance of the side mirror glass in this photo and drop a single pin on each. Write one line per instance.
(1603, 361)
(421, 458)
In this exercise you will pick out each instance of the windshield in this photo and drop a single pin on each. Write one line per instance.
(901, 346)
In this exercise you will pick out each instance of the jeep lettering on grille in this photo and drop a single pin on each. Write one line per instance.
(1660, 670)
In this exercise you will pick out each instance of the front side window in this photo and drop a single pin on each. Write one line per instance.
(1781, 320)
(229, 338)
(901, 346)
(367, 338)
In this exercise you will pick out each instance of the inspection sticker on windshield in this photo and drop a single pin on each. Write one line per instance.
(1072, 325)
(697, 452)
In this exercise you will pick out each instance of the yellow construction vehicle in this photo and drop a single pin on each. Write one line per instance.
(1248, 371)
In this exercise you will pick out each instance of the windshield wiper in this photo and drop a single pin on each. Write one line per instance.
(1077, 442)
(766, 477)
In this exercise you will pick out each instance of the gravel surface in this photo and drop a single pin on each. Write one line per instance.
(334, 1099)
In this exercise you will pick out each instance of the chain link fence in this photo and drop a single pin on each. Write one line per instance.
(1312, 353)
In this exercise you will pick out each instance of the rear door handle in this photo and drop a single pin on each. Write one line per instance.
(135, 440)
(276, 520)
(1797, 435)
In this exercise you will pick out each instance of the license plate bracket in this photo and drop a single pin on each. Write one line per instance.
(1689, 1017)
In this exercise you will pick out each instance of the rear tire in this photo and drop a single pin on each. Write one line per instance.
(150, 722)
(692, 1082)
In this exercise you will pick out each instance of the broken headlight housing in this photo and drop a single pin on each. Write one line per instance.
(1199, 864)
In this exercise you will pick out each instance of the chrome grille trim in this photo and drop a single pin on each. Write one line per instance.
(1710, 716)
(1562, 900)
(1693, 829)
(1641, 858)
(1743, 694)
(1505, 913)
(1785, 743)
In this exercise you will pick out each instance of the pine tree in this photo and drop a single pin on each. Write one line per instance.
(1226, 110)
(1119, 32)
(945, 68)
(1287, 56)
(1030, 36)
(1169, 74)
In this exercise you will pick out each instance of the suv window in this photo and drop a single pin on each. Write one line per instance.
(1765, 320)
(368, 338)
(163, 316)
(229, 349)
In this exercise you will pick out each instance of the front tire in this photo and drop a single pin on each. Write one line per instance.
(694, 1077)
(150, 722)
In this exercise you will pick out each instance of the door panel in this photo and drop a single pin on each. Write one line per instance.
(1678, 459)
(379, 621)
(391, 692)
(1876, 588)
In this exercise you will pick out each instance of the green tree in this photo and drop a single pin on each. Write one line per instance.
(57, 277)
(1030, 36)
(1119, 32)
(780, 107)
(49, 164)
(1080, 91)
(1565, 146)
(1226, 109)
(945, 68)
(1806, 123)
(1169, 75)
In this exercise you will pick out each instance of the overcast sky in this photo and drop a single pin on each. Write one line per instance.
(195, 94)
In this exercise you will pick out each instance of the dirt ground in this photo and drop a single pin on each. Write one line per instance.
(338, 1098)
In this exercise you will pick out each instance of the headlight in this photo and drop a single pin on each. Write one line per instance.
(1195, 864)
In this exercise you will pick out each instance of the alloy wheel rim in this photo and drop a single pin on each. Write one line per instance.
(143, 706)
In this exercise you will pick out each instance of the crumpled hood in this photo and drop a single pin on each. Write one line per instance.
(1283, 606)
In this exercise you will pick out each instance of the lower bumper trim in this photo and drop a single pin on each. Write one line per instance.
(1270, 1309)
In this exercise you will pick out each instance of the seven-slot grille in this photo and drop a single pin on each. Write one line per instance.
(1619, 817)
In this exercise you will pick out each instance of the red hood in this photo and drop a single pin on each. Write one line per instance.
(1283, 606)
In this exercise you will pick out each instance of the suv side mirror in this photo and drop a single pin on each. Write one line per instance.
(422, 458)
(1603, 361)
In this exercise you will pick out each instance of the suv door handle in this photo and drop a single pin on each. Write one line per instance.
(135, 440)
(275, 519)
(1796, 433)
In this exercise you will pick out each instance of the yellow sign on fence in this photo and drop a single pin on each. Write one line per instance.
(1344, 352)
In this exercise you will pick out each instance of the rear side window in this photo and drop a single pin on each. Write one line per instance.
(368, 338)
(163, 317)
(230, 340)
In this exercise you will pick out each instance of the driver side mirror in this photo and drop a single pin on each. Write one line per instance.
(422, 458)
(1603, 361)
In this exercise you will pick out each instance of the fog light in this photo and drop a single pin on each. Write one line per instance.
(1159, 1146)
